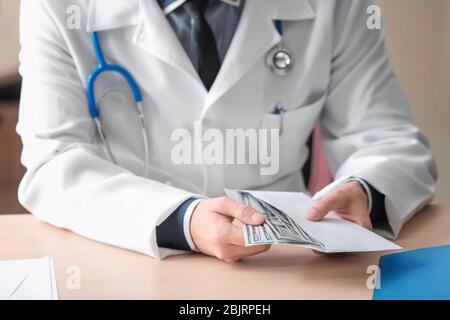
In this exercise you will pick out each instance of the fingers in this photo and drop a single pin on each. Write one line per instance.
(362, 220)
(235, 248)
(213, 231)
(235, 236)
(237, 253)
(321, 208)
(243, 213)
(229, 234)
(349, 201)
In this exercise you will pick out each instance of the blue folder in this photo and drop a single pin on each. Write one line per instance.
(422, 274)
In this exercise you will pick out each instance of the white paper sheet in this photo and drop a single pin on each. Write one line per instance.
(54, 287)
(32, 279)
(336, 234)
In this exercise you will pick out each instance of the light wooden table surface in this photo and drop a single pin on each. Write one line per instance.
(282, 273)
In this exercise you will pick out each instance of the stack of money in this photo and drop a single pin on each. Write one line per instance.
(278, 228)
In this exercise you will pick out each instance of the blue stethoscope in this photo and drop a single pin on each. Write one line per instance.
(279, 61)
(104, 67)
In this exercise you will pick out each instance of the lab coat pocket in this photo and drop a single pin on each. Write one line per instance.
(295, 126)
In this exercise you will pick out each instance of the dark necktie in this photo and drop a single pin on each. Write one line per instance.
(202, 45)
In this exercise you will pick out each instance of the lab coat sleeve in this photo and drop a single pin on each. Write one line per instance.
(68, 182)
(367, 128)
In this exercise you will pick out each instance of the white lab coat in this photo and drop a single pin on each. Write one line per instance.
(342, 77)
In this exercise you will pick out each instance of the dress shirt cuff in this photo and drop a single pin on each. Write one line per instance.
(170, 233)
(187, 223)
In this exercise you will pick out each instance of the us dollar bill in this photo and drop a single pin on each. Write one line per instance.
(278, 228)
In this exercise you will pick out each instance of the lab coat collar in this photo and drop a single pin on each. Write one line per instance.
(170, 5)
(254, 37)
(111, 14)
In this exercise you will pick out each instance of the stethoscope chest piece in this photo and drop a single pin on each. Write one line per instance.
(280, 60)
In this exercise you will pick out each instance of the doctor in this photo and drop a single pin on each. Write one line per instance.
(214, 62)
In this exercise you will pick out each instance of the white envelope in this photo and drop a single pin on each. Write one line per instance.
(336, 234)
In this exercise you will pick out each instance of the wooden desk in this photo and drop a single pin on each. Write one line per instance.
(282, 273)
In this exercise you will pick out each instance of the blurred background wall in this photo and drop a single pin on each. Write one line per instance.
(10, 168)
(418, 36)
(9, 38)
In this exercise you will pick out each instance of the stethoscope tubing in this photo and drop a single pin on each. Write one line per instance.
(103, 67)
(106, 67)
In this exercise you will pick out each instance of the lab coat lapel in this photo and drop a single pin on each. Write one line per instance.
(153, 32)
(155, 35)
(255, 36)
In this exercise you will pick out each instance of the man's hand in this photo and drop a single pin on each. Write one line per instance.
(214, 233)
(348, 200)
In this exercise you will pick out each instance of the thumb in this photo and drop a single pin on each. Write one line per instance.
(239, 211)
(321, 208)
